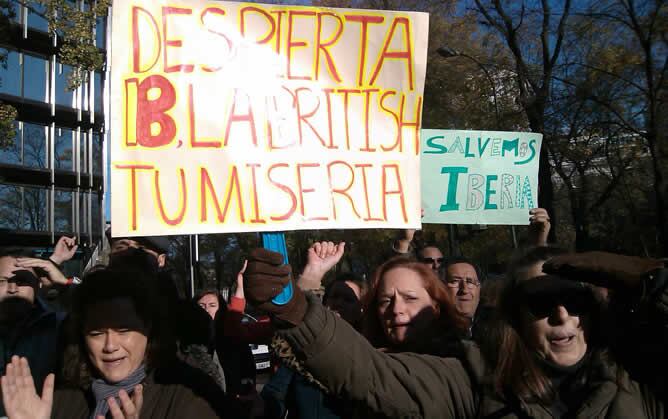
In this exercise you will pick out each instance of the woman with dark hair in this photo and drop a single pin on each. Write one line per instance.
(209, 301)
(552, 364)
(344, 296)
(119, 360)
(408, 309)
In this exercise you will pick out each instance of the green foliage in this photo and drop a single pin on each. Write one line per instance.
(76, 33)
(7, 130)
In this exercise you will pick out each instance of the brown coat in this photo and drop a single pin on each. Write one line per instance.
(176, 395)
(409, 385)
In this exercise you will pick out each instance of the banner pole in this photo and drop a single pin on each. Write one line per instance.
(193, 257)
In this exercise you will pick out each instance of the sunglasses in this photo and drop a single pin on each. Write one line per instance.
(431, 261)
(575, 302)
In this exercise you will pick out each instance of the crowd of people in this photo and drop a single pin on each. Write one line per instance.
(560, 335)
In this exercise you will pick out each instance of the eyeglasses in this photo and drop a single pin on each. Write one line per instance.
(431, 261)
(457, 282)
(575, 302)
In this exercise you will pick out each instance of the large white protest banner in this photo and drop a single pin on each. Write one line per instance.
(230, 117)
(479, 177)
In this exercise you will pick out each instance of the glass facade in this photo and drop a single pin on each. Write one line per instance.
(10, 74)
(54, 167)
(23, 208)
(36, 19)
(12, 154)
(35, 75)
(64, 96)
(35, 153)
(64, 149)
(63, 210)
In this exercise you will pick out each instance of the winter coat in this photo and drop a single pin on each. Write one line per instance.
(35, 339)
(409, 385)
(177, 393)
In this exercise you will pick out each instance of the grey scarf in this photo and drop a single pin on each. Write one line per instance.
(103, 390)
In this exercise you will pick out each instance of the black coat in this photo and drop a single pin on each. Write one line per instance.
(36, 338)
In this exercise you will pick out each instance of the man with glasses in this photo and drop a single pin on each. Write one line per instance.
(462, 278)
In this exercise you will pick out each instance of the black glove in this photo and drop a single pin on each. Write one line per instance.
(265, 278)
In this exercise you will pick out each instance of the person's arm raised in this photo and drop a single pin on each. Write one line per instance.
(322, 256)
(539, 227)
(402, 385)
(64, 250)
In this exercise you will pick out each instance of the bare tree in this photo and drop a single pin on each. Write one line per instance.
(534, 66)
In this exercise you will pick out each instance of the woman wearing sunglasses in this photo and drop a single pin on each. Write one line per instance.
(550, 363)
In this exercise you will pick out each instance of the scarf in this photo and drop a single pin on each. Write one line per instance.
(103, 390)
(568, 383)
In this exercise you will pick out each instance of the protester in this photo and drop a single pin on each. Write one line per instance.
(463, 279)
(635, 307)
(192, 327)
(344, 297)
(119, 360)
(320, 258)
(195, 333)
(549, 364)
(408, 309)
(64, 250)
(209, 301)
(27, 324)
(156, 246)
(234, 334)
(539, 227)
(288, 394)
(431, 255)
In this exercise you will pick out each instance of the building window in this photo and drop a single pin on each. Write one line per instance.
(85, 88)
(64, 149)
(83, 212)
(97, 153)
(96, 214)
(10, 73)
(15, 11)
(12, 153)
(100, 32)
(36, 19)
(34, 145)
(97, 89)
(83, 152)
(10, 207)
(63, 210)
(35, 204)
(64, 96)
(23, 208)
(35, 71)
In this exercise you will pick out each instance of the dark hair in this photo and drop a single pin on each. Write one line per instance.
(343, 277)
(202, 293)
(448, 317)
(108, 284)
(15, 252)
(418, 250)
(460, 259)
